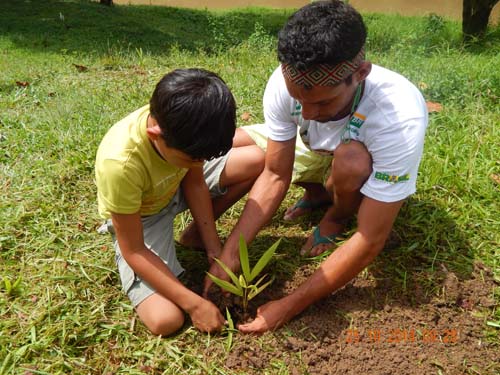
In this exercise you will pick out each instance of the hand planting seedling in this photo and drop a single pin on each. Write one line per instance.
(242, 285)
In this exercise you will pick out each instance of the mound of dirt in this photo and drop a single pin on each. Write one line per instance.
(367, 328)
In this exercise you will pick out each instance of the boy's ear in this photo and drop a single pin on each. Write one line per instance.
(153, 130)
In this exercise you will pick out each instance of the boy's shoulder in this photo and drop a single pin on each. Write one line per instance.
(124, 136)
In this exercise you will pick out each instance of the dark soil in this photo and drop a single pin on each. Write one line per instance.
(369, 328)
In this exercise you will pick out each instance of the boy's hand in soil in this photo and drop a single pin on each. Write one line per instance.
(206, 316)
(269, 317)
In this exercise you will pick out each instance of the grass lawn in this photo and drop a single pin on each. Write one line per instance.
(70, 69)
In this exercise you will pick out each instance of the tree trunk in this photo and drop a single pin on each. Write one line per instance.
(110, 2)
(475, 16)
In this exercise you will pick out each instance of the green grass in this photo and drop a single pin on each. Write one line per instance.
(67, 314)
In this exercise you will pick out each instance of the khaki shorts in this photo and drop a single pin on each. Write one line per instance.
(307, 167)
(158, 231)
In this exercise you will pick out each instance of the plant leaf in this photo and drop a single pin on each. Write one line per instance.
(245, 264)
(8, 284)
(255, 292)
(264, 259)
(228, 271)
(242, 281)
(226, 285)
(17, 282)
(260, 280)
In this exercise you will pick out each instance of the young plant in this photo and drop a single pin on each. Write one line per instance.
(242, 285)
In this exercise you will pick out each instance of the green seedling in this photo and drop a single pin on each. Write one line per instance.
(230, 330)
(242, 285)
(12, 289)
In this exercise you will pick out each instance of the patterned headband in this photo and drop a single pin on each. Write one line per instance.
(323, 74)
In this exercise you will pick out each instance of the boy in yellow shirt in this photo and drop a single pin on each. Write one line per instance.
(148, 167)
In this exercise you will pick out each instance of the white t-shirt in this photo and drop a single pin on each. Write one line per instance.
(390, 121)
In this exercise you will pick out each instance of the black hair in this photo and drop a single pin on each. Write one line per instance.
(322, 32)
(196, 112)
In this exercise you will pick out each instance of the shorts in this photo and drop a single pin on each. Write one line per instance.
(308, 165)
(159, 235)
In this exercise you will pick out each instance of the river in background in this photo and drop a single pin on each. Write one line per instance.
(445, 8)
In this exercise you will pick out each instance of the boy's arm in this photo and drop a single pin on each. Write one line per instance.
(263, 200)
(198, 199)
(128, 228)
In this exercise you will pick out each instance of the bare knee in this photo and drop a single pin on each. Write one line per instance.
(163, 325)
(245, 163)
(161, 316)
(352, 165)
(241, 138)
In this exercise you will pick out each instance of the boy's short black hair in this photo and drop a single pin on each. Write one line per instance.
(196, 112)
(323, 32)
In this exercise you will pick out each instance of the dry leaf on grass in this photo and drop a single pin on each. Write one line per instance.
(495, 178)
(80, 68)
(434, 107)
(245, 116)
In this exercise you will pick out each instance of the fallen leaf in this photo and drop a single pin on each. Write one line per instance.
(495, 178)
(80, 68)
(434, 107)
(22, 83)
(422, 85)
(246, 116)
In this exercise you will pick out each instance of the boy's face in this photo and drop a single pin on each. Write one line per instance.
(172, 155)
(176, 157)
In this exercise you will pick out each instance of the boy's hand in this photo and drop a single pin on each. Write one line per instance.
(213, 253)
(207, 317)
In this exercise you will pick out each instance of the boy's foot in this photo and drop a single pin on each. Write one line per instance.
(303, 207)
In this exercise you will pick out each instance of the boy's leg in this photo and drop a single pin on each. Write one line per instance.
(160, 315)
(229, 179)
(309, 172)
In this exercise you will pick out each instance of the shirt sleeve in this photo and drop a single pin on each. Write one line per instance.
(277, 109)
(119, 189)
(396, 158)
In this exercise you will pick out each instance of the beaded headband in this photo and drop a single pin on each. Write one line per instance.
(323, 74)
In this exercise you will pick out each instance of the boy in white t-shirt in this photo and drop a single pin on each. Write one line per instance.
(361, 133)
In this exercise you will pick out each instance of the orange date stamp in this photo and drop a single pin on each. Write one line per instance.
(402, 336)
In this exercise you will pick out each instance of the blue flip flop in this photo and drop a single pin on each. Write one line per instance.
(319, 239)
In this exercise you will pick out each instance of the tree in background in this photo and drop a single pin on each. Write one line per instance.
(110, 2)
(475, 16)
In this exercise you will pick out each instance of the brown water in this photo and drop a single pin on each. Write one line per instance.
(446, 8)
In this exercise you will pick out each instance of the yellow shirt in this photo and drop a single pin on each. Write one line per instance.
(130, 175)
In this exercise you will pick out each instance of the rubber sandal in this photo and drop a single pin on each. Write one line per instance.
(319, 239)
(307, 205)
